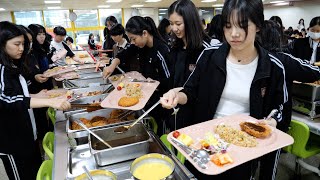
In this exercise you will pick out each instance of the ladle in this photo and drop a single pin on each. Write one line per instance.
(87, 172)
(123, 129)
(94, 134)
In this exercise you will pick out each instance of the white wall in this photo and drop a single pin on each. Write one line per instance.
(290, 15)
(5, 16)
(151, 12)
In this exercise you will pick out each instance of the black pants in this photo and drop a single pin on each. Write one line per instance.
(22, 165)
(268, 165)
(243, 172)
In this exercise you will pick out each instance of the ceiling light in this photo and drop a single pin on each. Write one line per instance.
(54, 7)
(52, 2)
(153, 0)
(208, 1)
(162, 13)
(103, 6)
(137, 5)
(217, 5)
(2, 9)
(282, 4)
(163, 9)
(273, 2)
(113, 1)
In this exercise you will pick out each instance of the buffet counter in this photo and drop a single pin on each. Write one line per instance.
(313, 124)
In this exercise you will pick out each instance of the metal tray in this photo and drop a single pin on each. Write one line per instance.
(89, 115)
(125, 146)
(307, 92)
(81, 155)
(81, 83)
(312, 109)
(90, 75)
(85, 71)
(80, 91)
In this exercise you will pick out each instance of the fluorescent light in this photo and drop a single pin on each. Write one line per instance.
(2, 9)
(54, 7)
(52, 2)
(103, 6)
(162, 13)
(137, 5)
(163, 9)
(217, 5)
(153, 0)
(113, 1)
(273, 2)
(208, 1)
(282, 4)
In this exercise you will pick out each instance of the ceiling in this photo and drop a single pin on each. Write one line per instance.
(27, 5)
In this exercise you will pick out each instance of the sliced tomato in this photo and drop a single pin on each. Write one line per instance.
(176, 134)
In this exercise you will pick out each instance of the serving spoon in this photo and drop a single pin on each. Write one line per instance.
(123, 129)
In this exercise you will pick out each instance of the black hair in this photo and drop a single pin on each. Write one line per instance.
(69, 39)
(117, 30)
(271, 36)
(315, 21)
(137, 24)
(90, 36)
(246, 10)
(216, 28)
(164, 23)
(27, 30)
(9, 31)
(41, 49)
(278, 20)
(302, 21)
(194, 31)
(59, 30)
(111, 19)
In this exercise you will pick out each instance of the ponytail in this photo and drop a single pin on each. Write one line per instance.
(137, 24)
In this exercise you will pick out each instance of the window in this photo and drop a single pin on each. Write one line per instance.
(206, 14)
(57, 18)
(86, 18)
(104, 13)
(83, 36)
(163, 13)
(28, 17)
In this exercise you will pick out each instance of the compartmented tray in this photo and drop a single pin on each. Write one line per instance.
(81, 155)
(82, 92)
(312, 109)
(75, 75)
(308, 92)
(82, 83)
(89, 115)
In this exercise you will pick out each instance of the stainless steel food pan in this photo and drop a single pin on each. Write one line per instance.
(308, 92)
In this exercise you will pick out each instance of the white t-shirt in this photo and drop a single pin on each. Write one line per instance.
(314, 52)
(59, 48)
(235, 98)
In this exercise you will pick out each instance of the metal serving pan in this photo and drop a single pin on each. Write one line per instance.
(308, 92)
(82, 83)
(80, 155)
(125, 146)
(90, 75)
(85, 71)
(89, 115)
(81, 91)
(312, 109)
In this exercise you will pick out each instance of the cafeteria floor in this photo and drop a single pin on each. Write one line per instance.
(286, 168)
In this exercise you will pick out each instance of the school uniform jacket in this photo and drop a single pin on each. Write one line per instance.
(15, 124)
(303, 48)
(268, 89)
(152, 61)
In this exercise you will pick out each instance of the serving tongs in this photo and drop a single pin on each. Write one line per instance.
(89, 107)
(123, 129)
(70, 84)
(94, 134)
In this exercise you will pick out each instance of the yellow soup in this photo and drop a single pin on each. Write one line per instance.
(152, 171)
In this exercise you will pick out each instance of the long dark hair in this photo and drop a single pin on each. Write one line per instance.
(246, 10)
(216, 28)
(270, 36)
(41, 49)
(137, 24)
(192, 24)
(278, 21)
(162, 28)
(9, 31)
(315, 21)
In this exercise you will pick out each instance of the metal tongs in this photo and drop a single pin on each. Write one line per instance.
(94, 134)
(123, 129)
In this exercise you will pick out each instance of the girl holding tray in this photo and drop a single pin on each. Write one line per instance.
(18, 151)
(240, 77)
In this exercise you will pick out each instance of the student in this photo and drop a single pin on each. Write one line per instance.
(69, 42)
(117, 34)
(189, 40)
(309, 48)
(108, 43)
(164, 29)
(239, 77)
(153, 53)
(216, 29)
(18, 150)
(91, 43)
(61, 49)
(300, 24)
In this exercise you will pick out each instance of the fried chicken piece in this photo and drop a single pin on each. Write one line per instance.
(128, 101)
(115, 113)
(256, 130)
